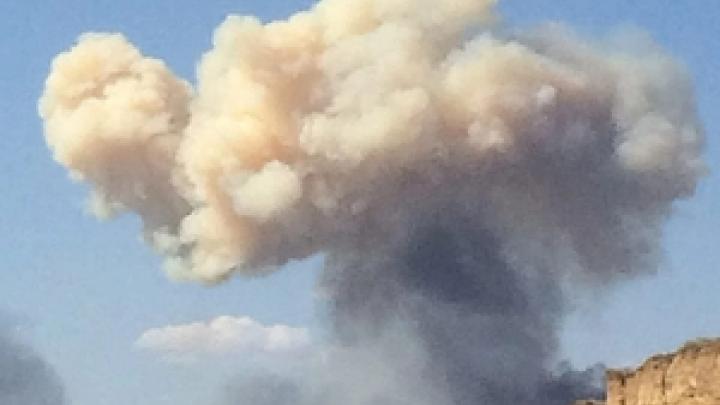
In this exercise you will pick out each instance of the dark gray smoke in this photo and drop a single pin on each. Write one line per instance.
(25, 378)
(487, 331)
(567, 384)
(435, 315)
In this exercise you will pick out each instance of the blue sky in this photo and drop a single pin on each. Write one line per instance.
(83, 291)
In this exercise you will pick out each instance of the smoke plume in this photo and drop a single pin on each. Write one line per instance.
(25, 378)
(458, 178)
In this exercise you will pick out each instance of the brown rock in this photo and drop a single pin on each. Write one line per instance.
(689, 376)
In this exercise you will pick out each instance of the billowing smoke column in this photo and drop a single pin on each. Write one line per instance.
(458, 180)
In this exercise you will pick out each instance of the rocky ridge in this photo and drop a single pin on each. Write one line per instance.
(689, 376)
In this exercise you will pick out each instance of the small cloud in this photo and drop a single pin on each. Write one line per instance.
(224, 335)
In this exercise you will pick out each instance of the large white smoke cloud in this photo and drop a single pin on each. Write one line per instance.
(457, 178)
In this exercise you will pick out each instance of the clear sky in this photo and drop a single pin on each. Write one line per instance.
(83, 291)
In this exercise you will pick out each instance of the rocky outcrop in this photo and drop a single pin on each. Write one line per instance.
(689, 376)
